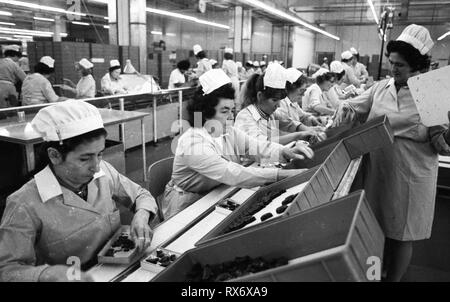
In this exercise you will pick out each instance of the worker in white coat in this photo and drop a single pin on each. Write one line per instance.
(209, 153)
(10, 75)
(350, 77)
(290, 109)
(231, 69)
(85, 87)
(112, 83)
(36, 88)
(68, 211)
(359, 69)
(313, 100)
(203, 63)
(263, 94)
(401, 179)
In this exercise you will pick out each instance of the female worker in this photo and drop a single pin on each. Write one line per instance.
(177, 77)
(336, 93)
(400, 179)
(209, 153)
(289, 107)
(112, 83)
(203, 63)
(10, 75)
(350, 77)
(36, 88)
(263, 94)
(231, 69)
(68, 210)
(313, 101)
(85, 89)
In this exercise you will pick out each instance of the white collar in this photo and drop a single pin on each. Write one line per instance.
(254, 112)
(49, 187)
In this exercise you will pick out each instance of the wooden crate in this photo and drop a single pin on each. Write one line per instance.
(329, 243)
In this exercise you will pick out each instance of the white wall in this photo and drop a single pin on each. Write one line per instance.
(303, 48)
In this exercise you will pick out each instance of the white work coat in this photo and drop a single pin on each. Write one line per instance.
(360, 71)
(255, 125)
(45, 224)
(401, 179)
(203, 162)
(203, 66)
(111, 86)
(290, 111)
(314, 97)
(37, 89)
(86, 87)
(231, 70)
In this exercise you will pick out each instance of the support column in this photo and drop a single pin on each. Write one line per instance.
(57, 29)
(128, 27)
(247, 31)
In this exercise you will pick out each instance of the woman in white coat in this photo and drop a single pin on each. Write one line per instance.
(85, 88)
(401, 179)
(209, 153)
(68, 209)
(203, 63)
(314, 101)
(231, 69)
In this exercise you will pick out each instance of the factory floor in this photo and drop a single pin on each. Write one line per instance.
(431, 258)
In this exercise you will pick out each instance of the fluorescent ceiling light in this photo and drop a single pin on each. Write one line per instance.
(7, 23)
(80, 23)
(6, 38)
(106, 18)
(23, 37)
(171, 35)
(106, 26)
(44, 19)
(443, 36)
(156, 33)
(185, 17)
(29, 32)
(41, 7)
(279, 13)
(3, 13)
(372, 8)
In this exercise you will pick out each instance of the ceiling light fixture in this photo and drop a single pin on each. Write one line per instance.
(8, 23)
(80, 23)
(443, 36)
(185, 17)
(372, 8)
(273, 11)
(44, 19)
(3, 13)
(40, 7)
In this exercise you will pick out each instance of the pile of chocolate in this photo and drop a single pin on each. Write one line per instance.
(239, 267)
(122, 244)
(229, 204)
(162, 258)
(248, 216)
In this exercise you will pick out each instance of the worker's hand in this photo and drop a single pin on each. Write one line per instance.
(314, 121)
(344, 115)
(62, 273)
(299, 151)
(141, 233)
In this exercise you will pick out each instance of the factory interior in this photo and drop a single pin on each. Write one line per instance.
(225, 140)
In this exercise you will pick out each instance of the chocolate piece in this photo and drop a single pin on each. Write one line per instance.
(289, 200)
(282, 209)
(152, 260)
(266, 216)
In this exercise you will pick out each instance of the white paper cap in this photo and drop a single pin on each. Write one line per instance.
(353, 51)
(250, 62)
(14, 47)
(86, 64)
(212, 61)
(114, 63)
(417, 36)
(228, 50)
(197, 48)
(213, 79)
(262, 63)
(346, 55)
(275, 76)
(336, 67)
(256, 63)
(293, 74)
(48, 61)
(320, 72)
(66, 119)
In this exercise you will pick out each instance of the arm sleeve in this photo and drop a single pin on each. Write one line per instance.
(18, 232)
(106, 86)
(438, 141)
(352, 77)
(281, 114)
(204, 159)
(129, 193)
(314, 99)
(87, 90)
(19, 73)
(247, 123)
(49, 93)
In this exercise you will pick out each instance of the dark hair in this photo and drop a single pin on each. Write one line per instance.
(346, 61)
(302, 80)
(357, 56)
(111, 69)
(205, 104)
(412, 56)
(228, 56)
(86, 72)
(67, 146)
(329, 76)
(340, 75)
(12, 53)
(247, 64)
(254, 85)
(184, 65)
(201, 55)
(43, 69)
